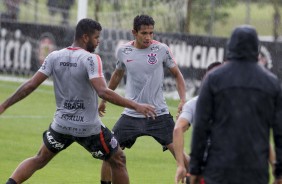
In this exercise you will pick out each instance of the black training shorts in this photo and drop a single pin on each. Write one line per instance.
(101, 146)
(127, 129)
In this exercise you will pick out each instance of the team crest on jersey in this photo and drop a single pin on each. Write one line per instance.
(113, 142)
(152, 58)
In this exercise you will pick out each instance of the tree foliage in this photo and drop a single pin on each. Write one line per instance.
(204, 13)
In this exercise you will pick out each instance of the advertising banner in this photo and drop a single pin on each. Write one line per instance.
(23, 48)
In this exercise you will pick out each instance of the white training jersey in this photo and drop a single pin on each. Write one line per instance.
(145, 74)
(188, 110)
(76, 100)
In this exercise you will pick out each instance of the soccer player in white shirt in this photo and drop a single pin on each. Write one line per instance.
(184, 121)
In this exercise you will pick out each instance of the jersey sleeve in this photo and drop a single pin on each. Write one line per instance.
(47, 65)
(119, 64)
(188, 111)
(169, 58)
(94, 66)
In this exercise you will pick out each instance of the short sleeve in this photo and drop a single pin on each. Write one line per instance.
(94, 67)
(119, 64)
(169, 58)
(47, 65)
(188, 110)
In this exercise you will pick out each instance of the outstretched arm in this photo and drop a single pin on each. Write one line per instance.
(23, 91)
(113, 83)
(109, 95)
(180, 128)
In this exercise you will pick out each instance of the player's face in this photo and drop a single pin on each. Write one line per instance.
(144, 36)
(93, 41)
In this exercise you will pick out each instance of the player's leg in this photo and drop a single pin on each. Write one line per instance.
(106, 175)
(117, 163)
(29, 166)
(104, 146)
(126, 130)
(53, 143)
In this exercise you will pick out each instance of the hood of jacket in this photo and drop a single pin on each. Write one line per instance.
(243, 44)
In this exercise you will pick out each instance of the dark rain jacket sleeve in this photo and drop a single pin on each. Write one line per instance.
(201, 128)
(277, 133)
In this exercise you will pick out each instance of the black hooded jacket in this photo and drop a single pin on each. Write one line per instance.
(238, 104)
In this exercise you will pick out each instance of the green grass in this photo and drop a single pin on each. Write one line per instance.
(21, 128)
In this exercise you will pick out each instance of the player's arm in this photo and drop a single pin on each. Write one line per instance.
(115, 79)
(180, 85)
(180, 128)
(113, 83)
(23, 91)
(107, 94)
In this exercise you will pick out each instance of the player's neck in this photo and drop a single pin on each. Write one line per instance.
(78, 44)
(138, 46)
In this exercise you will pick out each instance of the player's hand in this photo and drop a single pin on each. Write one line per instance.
(147, 110)
(102, 108)
(180, 175)
(179, 109)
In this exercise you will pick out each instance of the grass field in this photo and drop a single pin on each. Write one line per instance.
(21, 129)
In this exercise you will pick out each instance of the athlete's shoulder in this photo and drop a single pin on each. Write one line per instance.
(127, 44)
(191, 101)
(126, 47)
(156, 45)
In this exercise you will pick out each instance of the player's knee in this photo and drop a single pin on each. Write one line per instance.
(40, 160)
(118, 160)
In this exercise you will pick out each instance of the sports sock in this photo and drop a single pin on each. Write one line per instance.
(106, 182)
(11, 181)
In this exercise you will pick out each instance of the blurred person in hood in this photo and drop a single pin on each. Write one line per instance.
(238, 105)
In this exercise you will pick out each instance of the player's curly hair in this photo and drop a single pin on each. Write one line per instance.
(140, 20)
(86, 26)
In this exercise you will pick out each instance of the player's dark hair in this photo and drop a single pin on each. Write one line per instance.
(140, 20)
(86, 26)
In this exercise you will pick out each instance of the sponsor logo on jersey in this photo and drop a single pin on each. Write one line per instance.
(92, 64)
(74, 104)
(155, 48)
(127, 50)
(43, 66)
(72, 117)
(68, 64)
(53, 142)
(113, 142)
(97, 154)
(80, 131)
(129, 60)
(152, 58)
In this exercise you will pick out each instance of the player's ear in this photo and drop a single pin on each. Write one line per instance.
(134, 32)
(85, 38)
